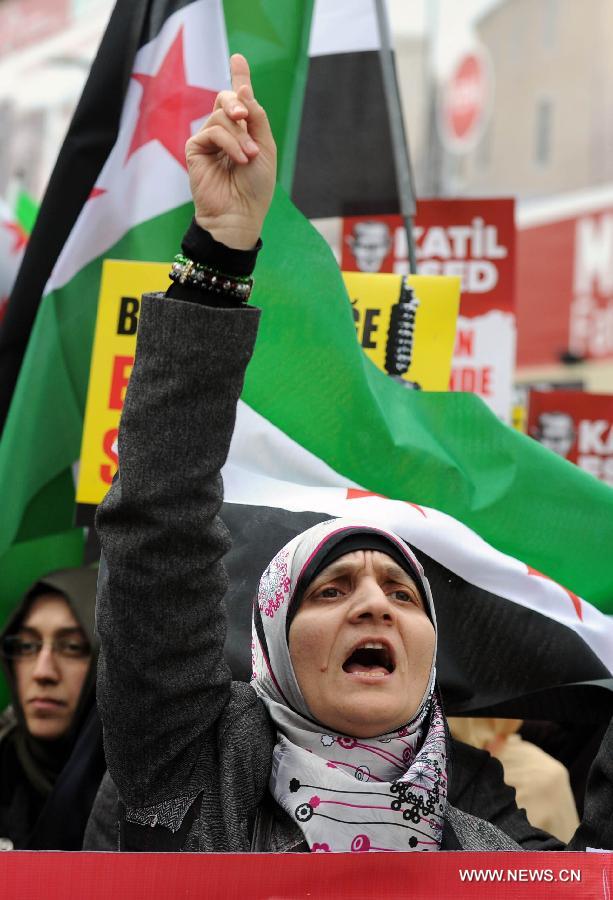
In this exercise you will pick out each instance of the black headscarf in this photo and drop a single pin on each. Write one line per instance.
(30, 767)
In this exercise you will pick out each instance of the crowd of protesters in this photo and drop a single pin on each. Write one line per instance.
(340, 742)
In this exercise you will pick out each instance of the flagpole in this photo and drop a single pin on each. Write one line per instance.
(400, 144)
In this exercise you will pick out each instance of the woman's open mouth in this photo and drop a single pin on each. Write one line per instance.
(372, 659)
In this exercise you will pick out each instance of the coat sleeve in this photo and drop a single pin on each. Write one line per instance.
(162, 678)
(596, 828)
(102, 829)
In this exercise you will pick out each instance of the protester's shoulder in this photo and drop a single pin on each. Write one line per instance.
(476, 783)
(244, 707)
(468, 762)
(101, 831)
(245, 729)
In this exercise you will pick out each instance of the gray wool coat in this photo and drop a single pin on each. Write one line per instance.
(188, 749)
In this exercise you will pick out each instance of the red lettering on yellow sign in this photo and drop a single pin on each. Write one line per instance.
(122, 366)
(574, 599)
(108, 445)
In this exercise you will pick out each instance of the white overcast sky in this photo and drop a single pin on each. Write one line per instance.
(452, 20)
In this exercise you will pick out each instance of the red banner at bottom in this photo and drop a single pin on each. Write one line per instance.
(100, 876)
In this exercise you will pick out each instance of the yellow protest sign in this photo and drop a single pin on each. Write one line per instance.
(121, 288)
(374, 296)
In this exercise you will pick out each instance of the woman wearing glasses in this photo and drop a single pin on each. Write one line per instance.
(48, 654)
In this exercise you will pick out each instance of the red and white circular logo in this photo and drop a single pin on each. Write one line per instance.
(465, 102)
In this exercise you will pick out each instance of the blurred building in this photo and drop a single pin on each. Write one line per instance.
(46, 49)
(548, 140)
(551, 126)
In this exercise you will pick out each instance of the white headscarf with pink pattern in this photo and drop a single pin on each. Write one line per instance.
(346, 793)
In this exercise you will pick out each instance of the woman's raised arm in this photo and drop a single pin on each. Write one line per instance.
(163, 681)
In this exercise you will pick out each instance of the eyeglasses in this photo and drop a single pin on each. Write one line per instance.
(16, 647)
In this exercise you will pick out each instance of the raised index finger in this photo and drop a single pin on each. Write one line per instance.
(239, 70)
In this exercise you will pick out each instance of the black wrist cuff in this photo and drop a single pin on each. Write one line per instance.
(202, 247)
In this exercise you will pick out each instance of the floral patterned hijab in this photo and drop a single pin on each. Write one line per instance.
(346, 793)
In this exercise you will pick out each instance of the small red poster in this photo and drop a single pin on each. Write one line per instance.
(472, 238)
(577, 426)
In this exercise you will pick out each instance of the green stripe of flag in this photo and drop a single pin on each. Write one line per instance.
(310, 378)
(275, 39)
(42, 436)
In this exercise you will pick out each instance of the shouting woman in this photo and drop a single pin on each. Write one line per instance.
(340, 742)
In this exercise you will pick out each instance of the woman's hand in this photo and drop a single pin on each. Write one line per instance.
(232, 164)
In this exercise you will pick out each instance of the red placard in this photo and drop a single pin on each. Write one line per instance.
(472, 238)
(421, 876)
(577, 426)
(565, 283)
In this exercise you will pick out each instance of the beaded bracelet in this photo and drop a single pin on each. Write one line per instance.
(186, 271)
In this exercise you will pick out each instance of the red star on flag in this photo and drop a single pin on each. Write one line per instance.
(573, 597)
(21, 238)
(356, 493)
(169, 105)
